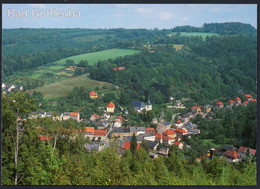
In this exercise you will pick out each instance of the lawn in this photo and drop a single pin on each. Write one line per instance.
(65, 86)
(203, 35)
(100, 55)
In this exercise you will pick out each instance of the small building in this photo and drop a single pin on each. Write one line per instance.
(164, 151)
(219, 104)
(121, 68)
(153, 155)
(75, 115)
(155, 120)
(245, 103)
(249, 97)
(89, 130)
(178, 104)
(231, 102)
(111, 107)
(41, 114)
(33, 115)
(159, 138)
(127, 144)
(242, 152)
(150, 130)
(148, 136)
(92, 147)
(3, 86)
(93, 95)
(140, 106)
(152, 145)
(237, 100)
(93, 117)
(231, 156)
(49, 114)
(140, 130)
(196, 109)
(179, 144)
(57, 116)
(207, 108)
(19, 87)
(66, 116)
(117, 124)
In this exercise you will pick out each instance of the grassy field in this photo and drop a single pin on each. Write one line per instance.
(203, 35)
(65, 86)
(177, 47)
(96, 56)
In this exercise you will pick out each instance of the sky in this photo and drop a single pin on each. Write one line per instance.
(150, 16)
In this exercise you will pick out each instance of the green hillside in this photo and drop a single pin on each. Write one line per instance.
(100, 55)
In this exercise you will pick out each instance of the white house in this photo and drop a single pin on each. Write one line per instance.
(66, 116)
(140, 130)
(117, 124)
(149, 136)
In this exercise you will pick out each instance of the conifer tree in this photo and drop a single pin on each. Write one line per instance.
(133, 144)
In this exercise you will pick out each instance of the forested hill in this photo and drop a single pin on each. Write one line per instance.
(203, 71)
(228, 28)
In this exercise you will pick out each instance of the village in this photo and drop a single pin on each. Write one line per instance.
(111, 127)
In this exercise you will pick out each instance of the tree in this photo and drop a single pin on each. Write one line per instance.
(133, 144)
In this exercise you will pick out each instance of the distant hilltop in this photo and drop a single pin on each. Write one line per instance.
(227, 28)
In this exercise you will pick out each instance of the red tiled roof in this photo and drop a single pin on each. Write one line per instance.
(74, 113)
(231, 101)
(246, 103)
(253, 100)
(44, 138)
(237, 99)
(248, 96)
(160, 136)
(167, 138)
(169, 132)
(100, 132)
(115, 69)
(179, 121)
(111, 105)
(150, 130)
(239, 104)
(120, 117)
(243, 149)
(196, 107)
(177, 143)
(95, 115)
(127, 145)
(121, 68)
(92, 93)
(252, 151)
(231, 154)
(219, 103)
(178, 130)
(89, 130)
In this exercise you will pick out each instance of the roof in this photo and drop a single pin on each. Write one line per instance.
(89, 130)
(111, 105)
(248, 96)
(92, 93)
(74, 113)
(148, 134)
(179, 121)
(253, 100)
(66, 114)
(239, 104)
(120, 117)
(121, 68)
(231, 101)
(140, 129)
(177, 143)
(133, 129)
(219, 103)
(127, 145)
(100, 132)
(169, 132)
(148, 103)
(160, 136)
(232, 148)
(180, 130)
(44, 138)
(252, 151)
(149, 130)
(231, 153)
(138, 104)
(237, 99)
(167, 138)
(151, 144)
(115, 69)
(95, 115)
(243, 149)
(196, 107)
(246, 103)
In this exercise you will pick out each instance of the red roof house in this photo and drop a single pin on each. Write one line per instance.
(181, 131)
(246, 103)
(252, 151)
(150, 130)
(111, 105)
(74, 113)
(121, 68)
(120, 117)
(219, 104)
(231, 101)
(100, 132)
(93, 94)
(95, 115)
(45, 138)
(179, 121)
(115, 69)
(169, 132)
(237, 99)
(248, 96)
(253, 100)
(231, 156)
(243, 149)
(196, 107)
(126, 145)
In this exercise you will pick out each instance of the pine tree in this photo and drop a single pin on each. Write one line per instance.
(133, 144)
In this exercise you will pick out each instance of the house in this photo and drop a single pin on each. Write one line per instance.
(196, 110)
(89, 130)
(133, 129)
(150, 130)
(148, 136)
(102, 124)
(115, 69)
(92, 147)
(49, 114)
(140, 106)
(164, 151)
(231, 156)
(75, 115)
(127, 144)
(122, 132)
(253, 100)
(120, 118)
(155, 120)
(159, 138)
(93, 117)
(117, 124)
(10, 87)
(100, 133)
(179, 144)
(140, 130)
(19, 87)
(249, 97)
(237, 99)
(242, 152)
(252, 152)
(41, 114)
(168, 137)
(121, 68)
(57, 116)
(231, 102)
(178, 104)
(239, 104)
(191, 128)
(45, 138)
(3, 86)
(227, 147)
(152, 145)
(111, 107)
(207, 108)
(106, 116)
(179, 122)
(180, 131)
(169, 133)
(219, 104)
(245, 103)
(33, 115)
(153, 155)
(66, 116)
(93, 95)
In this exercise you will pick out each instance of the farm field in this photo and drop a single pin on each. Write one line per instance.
(203, 35)
(96, 56)
(65, 86)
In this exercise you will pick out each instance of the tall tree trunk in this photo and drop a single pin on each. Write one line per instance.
(16, 153)
(54, 146)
